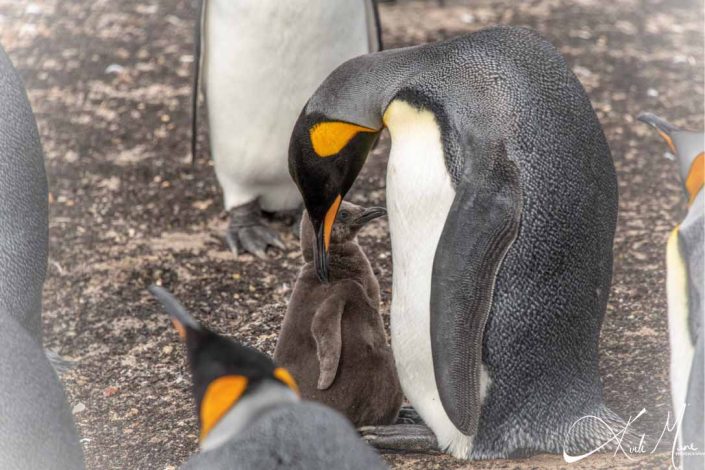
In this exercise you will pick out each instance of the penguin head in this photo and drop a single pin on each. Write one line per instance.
(223, 370)
(348, 223)
(325, 157)
(689, 149)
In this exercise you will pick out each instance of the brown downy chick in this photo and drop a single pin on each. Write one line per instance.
(332, 339)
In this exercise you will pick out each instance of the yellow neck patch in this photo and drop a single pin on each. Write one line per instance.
(329, 138)
(284, 375)
(696, 177)
(220, 396)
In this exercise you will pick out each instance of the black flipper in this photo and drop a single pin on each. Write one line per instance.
(198, 32)
(482, 223)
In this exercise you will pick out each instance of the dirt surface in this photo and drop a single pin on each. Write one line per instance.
(110, 85)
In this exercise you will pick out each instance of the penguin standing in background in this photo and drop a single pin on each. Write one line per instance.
(249, 411)
(502, 201)
(36, 426)
(332, 338)
(261, 61)
(685, 286)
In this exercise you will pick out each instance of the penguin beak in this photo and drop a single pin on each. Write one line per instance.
(369, 215)
(320, 254)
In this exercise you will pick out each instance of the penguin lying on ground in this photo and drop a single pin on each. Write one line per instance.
(502, 201)
(685, 288)
(249, 411)
(332, 339)
(261, 61)
(36, 426)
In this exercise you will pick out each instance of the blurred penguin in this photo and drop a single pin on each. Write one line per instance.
(250, 413)
(36, 426)
(261, 61)
(685, 288)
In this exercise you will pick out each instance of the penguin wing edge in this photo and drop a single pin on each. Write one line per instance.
(482, 223)
(326, 330)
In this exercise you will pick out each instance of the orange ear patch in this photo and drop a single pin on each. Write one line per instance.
(329, 138)
(220, 396)
(284, 375)
(696, 177)
(329, 220)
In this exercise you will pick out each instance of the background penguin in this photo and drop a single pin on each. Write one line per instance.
(332, 339)
(502, 201)
(685, 264)
(249, 411)
(261, 62)
(36, 427)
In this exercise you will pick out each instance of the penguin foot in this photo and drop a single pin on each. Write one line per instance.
(408, 415)
(401, 438)
(248, 233)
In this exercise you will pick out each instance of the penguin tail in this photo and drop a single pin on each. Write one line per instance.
(61, 365)
(601, 430)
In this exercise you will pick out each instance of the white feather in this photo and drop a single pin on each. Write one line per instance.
(419, 196)
(263, 60)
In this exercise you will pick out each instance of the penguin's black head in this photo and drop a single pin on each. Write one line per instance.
(325, 157)
(223, 370)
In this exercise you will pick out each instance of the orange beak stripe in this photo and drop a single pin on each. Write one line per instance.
(668, 140)
(328, 221)
(696, 177)
(179, 328)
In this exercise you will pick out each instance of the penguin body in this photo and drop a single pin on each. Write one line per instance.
(332, 339)
(36, 426)
(24, 215)
(250, 413)
(253, 103)
(502, 202)
(685, 287)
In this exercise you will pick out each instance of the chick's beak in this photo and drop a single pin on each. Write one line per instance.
(369, 215)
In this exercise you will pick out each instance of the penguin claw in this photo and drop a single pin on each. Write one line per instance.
(408, 415)
(248, 233)
(403, 438)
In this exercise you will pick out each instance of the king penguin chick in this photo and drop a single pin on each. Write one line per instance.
(685, 285)
(332, 338)
(250, 413)
(36, 426)
(261, 61)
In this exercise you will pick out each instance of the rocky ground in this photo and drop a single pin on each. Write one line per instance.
(110, 85)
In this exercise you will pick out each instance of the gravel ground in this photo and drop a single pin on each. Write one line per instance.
(110, 85)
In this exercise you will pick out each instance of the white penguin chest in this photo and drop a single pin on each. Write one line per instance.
(419, 196)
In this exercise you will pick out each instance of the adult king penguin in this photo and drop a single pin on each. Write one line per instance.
(250, 414)
(261, 61)
(36, 427)
(502, 201)
(685, 263)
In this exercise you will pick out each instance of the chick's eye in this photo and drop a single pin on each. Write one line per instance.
(343, 215)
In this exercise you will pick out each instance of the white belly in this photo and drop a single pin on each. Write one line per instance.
(419, 196)
(263, 60)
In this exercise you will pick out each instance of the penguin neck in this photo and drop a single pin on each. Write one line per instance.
(246, 412)
(345, 260)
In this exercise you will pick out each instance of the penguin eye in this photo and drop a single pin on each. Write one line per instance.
(343, 216)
